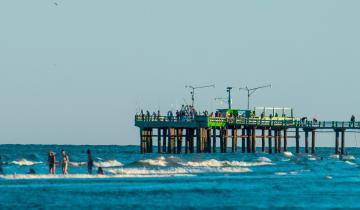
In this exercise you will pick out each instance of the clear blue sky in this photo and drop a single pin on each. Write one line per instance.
(76, 72)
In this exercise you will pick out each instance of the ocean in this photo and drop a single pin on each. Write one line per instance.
(187, 181)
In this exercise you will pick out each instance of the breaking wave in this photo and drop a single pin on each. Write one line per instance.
(108, 164)
(172, 161)
(176, 171)
(24, 162)
(218, 163)
(82, 176)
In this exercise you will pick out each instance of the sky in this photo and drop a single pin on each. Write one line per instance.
(76, 72)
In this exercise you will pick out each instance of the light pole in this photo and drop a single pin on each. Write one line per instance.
(192, 92)
(251, 91)
(228, 89)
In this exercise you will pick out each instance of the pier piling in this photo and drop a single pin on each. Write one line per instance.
(336, 141)
(248, 141)
(270, 141)
(285, 140)
(297, 140)
(253, 142)
(263, 140)
(234, 140)
(313, 141)
(342, 141)
(306, 141)
(243, 140)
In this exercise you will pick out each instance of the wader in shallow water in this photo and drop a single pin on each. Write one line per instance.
(1, 169)
(90, 162)
(51, 162)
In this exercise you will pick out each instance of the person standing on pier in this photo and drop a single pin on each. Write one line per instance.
(352, 120)
(90, 161)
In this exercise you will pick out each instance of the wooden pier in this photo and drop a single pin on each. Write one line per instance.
(202, 134)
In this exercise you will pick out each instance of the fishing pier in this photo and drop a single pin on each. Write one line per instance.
(202, 134)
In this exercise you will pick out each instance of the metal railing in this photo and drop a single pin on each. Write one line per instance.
(251, 121)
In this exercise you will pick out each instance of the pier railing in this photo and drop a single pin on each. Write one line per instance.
(232, 121)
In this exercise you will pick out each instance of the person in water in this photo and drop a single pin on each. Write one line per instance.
(90, 161)
(51, 162)
(65, 162)
(1, 169)
(100, 171)
(31, 171)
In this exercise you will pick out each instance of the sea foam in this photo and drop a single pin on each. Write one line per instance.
(24, 162)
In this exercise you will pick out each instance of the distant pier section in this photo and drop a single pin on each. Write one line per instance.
(189, 131)
(203, 133)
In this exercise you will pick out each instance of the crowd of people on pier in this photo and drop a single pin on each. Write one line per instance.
(185, 113)
(64, 163)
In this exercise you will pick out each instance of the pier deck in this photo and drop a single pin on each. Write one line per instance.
(208, 132)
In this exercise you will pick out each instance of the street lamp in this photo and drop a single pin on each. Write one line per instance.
(251, 91)
(192, 92)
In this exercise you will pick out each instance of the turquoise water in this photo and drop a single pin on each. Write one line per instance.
(199, 181)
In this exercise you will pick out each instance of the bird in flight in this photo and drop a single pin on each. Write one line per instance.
(56, 4)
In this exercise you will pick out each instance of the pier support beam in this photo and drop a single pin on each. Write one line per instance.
(225, 139)
(263, 140)
(279, 141)
(306, 141)
(234, 140)
(253, 140)
(270, 141)
(342, 142)
(164, 139)
(276, 140)
(187, 141)
(198, 139)
(313, 141)
(285, 140)
(214, 140)
(159, 140)
(248, 141)
(179, 140)
(192, 135)
(297, 139)
(221, 137)
(243, 140)
(142, 141)
(208, 140)
(336, 141)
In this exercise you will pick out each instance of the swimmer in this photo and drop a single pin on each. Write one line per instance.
(100, 171)
(65, 162)
(1, 169)
(31, 171)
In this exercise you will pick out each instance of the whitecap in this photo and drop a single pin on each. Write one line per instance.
(264, 159)
(348, 157)
(109, 163)
(281, 173)
(177, 170)
(217, 163)
(24, 162)
(288, 154)
(160, 161)
(334, 156)
(350, 163)
(77, 164)
(82, 176)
